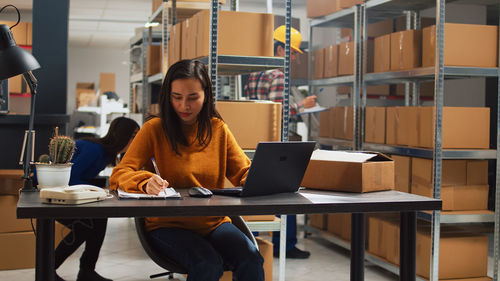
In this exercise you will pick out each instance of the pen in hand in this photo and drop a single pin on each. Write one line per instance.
(164, 183)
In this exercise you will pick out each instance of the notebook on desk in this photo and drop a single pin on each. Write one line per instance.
(276, 167)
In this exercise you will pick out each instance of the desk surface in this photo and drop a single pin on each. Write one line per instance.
(303, 202)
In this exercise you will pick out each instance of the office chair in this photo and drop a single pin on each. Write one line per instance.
(167, 263)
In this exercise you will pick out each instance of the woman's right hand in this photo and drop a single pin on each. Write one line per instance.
(155, 185)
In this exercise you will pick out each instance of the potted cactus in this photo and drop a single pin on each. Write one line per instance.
(55, 170)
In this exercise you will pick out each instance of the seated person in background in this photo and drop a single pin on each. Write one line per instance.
(91, 156)
(192, 146)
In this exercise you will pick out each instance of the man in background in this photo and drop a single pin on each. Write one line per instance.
(269, 85)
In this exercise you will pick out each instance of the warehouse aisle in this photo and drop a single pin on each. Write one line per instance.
(122, 258)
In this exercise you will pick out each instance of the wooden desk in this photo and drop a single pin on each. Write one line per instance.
(303, 202)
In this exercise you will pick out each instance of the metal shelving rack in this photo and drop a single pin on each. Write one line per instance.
(383, 9)
(146, 38)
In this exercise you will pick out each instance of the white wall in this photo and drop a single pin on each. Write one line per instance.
(85, 64)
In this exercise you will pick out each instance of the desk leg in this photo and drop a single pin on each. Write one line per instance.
(282, 258)
(358, 247)
(45, 250)
(407, 244)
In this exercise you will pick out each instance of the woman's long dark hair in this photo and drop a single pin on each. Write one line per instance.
(171, 123)
(121, 130)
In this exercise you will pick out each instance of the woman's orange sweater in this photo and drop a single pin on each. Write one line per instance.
(195, 166)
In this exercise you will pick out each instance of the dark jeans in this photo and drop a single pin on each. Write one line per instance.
(206, 258)
(291, 234)
(90, 231)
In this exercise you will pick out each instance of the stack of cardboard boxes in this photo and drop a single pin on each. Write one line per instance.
(17, 239)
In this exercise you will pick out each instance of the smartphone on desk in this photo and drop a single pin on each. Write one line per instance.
(73, 194)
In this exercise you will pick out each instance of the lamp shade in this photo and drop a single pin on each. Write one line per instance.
(14, 60)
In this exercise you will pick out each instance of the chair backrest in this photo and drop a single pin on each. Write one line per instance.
(167, 263)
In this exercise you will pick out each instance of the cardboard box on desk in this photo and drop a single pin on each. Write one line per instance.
(464, 45)
(252, 121)
(349, 171)
(462, 127)
(240, 33)
(18, 248)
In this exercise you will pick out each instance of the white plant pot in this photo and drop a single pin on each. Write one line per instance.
(53, 175)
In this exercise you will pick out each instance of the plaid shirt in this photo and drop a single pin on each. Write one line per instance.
(268, 85)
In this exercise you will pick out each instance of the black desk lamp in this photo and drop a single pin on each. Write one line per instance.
(14, 60)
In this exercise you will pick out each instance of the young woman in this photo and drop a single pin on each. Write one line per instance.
(91, 156)
(192, 146)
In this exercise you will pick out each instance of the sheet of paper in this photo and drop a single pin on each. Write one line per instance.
(314, 109)
(166, 193)
(343, 156)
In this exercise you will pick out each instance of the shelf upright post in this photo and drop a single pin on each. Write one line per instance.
(407, 84)
(363, 58)
(286, 90)
(497, 185)
(416, 85)
(212, 58)
(358, 74)
(310, 59)
(165, 36)
(438, 118)
(145, 86)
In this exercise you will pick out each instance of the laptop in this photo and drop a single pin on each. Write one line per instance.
(277, 167)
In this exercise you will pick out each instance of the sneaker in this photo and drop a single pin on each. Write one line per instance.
(295, 253)
(87, 275)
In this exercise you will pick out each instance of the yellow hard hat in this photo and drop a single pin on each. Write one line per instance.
(295, 37)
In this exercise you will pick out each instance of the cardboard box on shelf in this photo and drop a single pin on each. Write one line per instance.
(462, 127)
(401, 125)
(251, 122)
(346, 33)
(319, 8)
(107, 82)
(382, 53)
(457, 197)
(266, 251)
(299, 69)
(259, 218)
(153, 60)
(19, 103)
(16, 84)
(331, 61)
(326, 126)
(319, 63)
(19, 32)
(346, 58)
(375, 124)
(156, 4)
(455, 252)
(10, 223)
(380, 28)
(426, 89)
(11, 181)
(174, 45)
(374, 237)
(469, 45)
(340, 225)
(85, 94)
(189, 31)
(402, 173)
(240, 33)
(343, 122)
(18, 248)
(319, 221)
(406, 49)
(390, 235)
(29, 35)
(477, 172)
(453, 172)
(371, 172)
